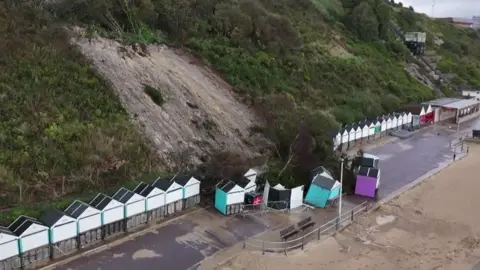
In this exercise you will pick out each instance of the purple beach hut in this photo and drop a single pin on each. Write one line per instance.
(368, 180)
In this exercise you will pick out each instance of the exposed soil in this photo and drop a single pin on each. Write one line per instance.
(201, 113)
(432, 226)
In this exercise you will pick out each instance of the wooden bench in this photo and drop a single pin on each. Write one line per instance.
(288, 232)
(306, 223)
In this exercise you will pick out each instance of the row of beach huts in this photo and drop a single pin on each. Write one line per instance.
(371, 129)
(29, 243)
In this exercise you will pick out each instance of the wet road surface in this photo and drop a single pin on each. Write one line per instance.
(178, 245)
(184, 243)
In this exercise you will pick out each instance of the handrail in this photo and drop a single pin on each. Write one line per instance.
(319, 230)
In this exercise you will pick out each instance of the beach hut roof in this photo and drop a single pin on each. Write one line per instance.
(143, 189)
(324, 182)
(5, 230)
(228, 186)
(76, 209)
(367, 171)
(51, 217)
(100, 201)
(22, 223)
(368, 155)
(182, 180)
(322, 171)
(123, 195)
(162, 183)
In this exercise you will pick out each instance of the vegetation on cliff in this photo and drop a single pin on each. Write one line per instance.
(307, 66)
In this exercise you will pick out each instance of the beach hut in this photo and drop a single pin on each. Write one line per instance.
(399, 120)
(336, 139)
(323, 190)
(246, 184)
(112, 213)
(394, 121)
(429, 116)
(62, 232)
(173, 194)
(371, 129)
(251, 174)
(365, 128)
(88, 223)
(384, 125)
(344, 144)
(389, 122)
(367, 182)
(190, 190)
(378, 128)
(405, 120)
(155, 200)
(351, 135)
(296, 197)
(279, 197)
(229, 197)
(33, 241)
(358, 134)
(134, 208)
(9, 255)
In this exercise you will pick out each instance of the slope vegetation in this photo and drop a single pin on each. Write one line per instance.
(304, 66)
(61, 129)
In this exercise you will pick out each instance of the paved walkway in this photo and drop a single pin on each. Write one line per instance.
(184, 243)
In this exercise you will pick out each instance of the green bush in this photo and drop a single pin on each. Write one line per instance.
(154, 94)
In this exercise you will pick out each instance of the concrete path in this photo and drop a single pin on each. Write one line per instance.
(184, 243)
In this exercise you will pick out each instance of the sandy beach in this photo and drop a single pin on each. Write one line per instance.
(435, 225)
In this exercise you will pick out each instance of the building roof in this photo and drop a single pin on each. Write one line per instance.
(244, 182)
(5, 230)
(322, 171)
(182, 179)
(50, 217)
(76, 209)
(21, 224)
(226, 185)
(100, 201)
(123, 195)
(324, 182)
(441, 101)
(143, 189)
(140, 187)
(369, 172)
(463, 103)
(162, 183)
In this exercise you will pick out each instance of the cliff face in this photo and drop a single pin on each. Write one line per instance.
(199, 113)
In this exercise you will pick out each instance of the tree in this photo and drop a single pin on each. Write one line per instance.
(363, 22)
(382, 11)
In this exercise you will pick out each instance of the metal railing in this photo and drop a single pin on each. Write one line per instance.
(275, 206)
(315, 235)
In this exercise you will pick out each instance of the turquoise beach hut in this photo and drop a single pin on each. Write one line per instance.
(323, 190)
(229, 197)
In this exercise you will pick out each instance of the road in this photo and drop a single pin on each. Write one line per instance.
(184, 243)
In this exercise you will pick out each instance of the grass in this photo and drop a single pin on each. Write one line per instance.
(62, 131)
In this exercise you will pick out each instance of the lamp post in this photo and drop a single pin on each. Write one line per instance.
(341, 191)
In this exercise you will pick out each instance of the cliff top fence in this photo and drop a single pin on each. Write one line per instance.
(314, 235)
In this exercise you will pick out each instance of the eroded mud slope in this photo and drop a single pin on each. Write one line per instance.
(201, 113)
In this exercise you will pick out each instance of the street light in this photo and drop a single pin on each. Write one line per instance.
(341, 191)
